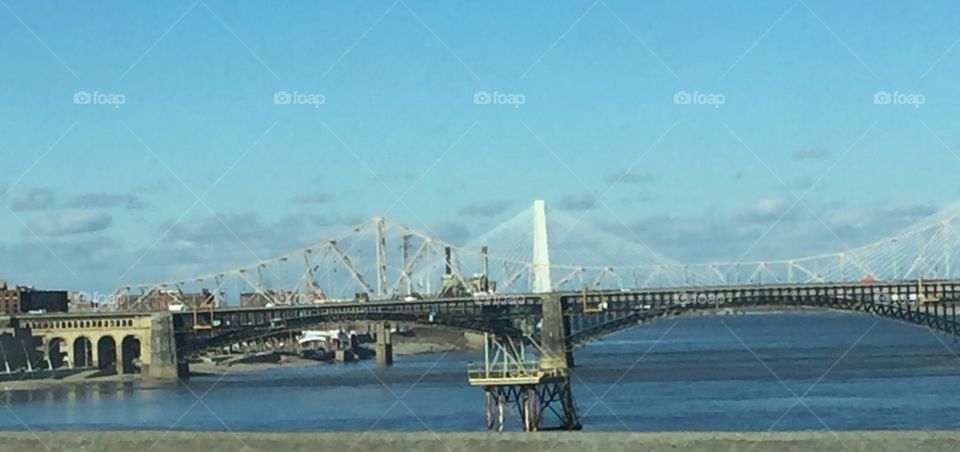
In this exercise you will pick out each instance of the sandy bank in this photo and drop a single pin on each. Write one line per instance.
(514, 442)
(282, 362)
(420, 339)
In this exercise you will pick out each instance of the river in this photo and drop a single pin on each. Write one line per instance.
(731, 373)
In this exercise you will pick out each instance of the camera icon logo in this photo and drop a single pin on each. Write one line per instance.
(482, 98)
(682, 98)
(82, 98)
(882, 98)
(282, 98)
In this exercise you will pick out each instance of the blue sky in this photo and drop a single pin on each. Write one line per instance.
(99, 194)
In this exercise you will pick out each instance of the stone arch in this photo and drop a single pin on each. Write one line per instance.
(107, 353)
(130, 354)
(82, 352)
(55, 352)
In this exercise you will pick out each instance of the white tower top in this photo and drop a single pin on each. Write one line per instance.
(541, 250)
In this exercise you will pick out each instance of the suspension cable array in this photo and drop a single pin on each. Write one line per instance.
(386, 260)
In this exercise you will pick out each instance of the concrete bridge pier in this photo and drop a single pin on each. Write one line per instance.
(557, 361)
(554, 330)
(384, 347)
(165, 362)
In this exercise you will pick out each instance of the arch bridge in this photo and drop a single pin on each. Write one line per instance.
(515, 302)
(588, 314)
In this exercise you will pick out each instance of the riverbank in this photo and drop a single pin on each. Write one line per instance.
(421, 339)
(92, 377)
(276, 361)
(414, 341)
(183, 441)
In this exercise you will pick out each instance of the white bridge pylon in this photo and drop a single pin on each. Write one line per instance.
(384, 260)
(541, 249)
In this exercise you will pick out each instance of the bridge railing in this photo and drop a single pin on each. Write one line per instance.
(502, 371)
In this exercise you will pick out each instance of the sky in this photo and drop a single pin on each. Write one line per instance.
(140, 139)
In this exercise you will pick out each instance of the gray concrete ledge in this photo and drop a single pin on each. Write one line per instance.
(912, 441)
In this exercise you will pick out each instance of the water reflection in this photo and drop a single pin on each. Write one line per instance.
(66, 393)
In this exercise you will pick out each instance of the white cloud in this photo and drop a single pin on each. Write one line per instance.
(105, 201)
(33, 199)
(72, 222)
(485, 208)
(577, 201)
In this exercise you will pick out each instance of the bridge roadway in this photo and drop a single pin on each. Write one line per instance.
(588, 314)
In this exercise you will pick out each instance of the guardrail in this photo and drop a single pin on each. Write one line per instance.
(503, 370)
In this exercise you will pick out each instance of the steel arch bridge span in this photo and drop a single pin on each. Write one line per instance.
(588, 314)
(936, 313)
(197, 331)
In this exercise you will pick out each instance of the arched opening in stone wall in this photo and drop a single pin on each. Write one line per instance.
(82, 352)
(107, 353)
(130, 348)
(55, 352)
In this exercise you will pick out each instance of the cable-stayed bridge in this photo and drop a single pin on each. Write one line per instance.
(388, 260)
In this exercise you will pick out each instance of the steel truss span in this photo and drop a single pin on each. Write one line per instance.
(387, 260)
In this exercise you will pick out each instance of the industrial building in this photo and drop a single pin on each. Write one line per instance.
(24, 299)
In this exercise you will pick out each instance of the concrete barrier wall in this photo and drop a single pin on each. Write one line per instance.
(487, 442)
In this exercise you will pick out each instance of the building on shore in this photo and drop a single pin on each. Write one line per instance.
(25, 299)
